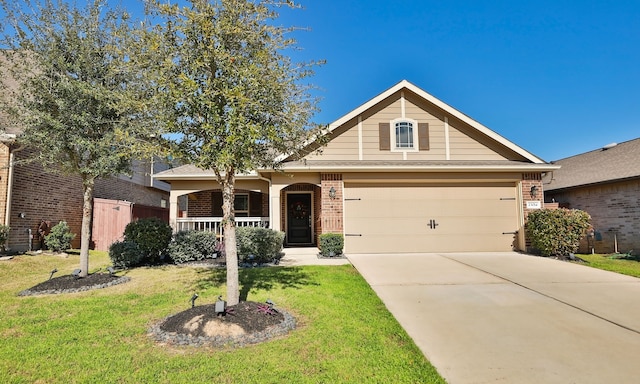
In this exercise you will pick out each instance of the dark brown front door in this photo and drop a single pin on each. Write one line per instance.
(299, 218)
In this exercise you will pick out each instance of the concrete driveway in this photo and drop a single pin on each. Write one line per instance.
(512, 318)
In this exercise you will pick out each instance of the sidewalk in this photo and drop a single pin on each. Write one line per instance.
(308, 256)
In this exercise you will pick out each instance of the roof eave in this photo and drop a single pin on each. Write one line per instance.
(422, 168)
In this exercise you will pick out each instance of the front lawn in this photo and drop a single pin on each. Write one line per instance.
(614, 263)
(344, 334)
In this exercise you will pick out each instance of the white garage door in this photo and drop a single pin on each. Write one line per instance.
(451, 218)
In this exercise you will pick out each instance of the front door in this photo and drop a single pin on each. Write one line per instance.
(299, 211)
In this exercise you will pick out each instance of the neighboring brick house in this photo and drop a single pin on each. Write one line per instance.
(34, 195)
(28, 194)
(606, 184)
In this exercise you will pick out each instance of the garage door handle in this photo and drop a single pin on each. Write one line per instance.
(433, 224)
(353, 234)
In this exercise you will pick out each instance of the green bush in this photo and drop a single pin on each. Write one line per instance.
(258, 245)
(331, 244)
(192, 246)
(125, 254)
(152, 236)
(4, 236)
(59, 239)
(557, 232)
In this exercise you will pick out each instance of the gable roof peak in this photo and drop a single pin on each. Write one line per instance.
(405, 84)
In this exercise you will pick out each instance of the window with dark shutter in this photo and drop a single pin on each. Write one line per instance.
(216, 204)
(255, 204)
(423, 136)
(385, 136)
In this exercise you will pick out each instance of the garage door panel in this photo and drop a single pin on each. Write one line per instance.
(398, 219)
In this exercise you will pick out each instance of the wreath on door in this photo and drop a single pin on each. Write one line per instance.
(299, 210)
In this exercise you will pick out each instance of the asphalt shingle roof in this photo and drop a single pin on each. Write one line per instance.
(618, 162)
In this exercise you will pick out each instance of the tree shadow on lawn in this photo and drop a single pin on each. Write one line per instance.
(266, 278)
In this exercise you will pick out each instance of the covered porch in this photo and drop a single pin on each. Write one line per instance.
(278, 201)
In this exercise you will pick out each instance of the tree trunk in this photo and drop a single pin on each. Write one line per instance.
(85, 233)
(229, 226)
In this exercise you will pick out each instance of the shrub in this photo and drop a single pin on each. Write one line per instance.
(125, 254)
(192, 246)
(4, 236)
(258, 245)
(557, 232)
(152, 236)
(59, 239)
(331, 244)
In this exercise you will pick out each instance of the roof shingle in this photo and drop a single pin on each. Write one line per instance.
(618, 162)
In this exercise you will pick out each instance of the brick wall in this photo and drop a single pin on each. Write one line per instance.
(615, 214)
(41, 195)
(199, 204)
(332, 209)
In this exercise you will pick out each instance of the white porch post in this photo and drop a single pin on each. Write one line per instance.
(173, 209)
(276, 209)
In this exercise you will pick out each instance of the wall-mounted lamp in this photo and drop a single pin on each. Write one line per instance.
(533, 191)
(332, 193)
(22, 215)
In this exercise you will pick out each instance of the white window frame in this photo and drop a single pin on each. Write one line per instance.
(414, 131)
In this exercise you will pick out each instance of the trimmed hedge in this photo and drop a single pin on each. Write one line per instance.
(557, 232)
(125, 254)
(258, 245)
(331, 244)
(193, 246)
(152, 236)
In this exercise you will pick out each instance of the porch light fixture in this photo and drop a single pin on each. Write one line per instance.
(533, 191)
(332, 193)
(193, 300)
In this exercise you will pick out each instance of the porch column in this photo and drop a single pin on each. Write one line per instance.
(276, 207)
(173, 209)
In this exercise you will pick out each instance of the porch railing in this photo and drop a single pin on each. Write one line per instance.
(214, 224)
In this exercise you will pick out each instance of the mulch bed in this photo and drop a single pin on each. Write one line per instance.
(244, 324)
(70, 284)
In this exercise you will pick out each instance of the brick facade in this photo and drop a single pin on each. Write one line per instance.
(614, 210)
(38, 195)
(332, 208)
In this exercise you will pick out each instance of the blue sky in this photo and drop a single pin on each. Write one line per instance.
(556, 77)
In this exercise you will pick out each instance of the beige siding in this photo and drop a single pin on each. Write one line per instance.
(347, 141)
(397, 218)
(344, 146)
(464, 147)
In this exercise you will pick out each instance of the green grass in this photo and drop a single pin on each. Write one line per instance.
(344, 334)
(614, 263)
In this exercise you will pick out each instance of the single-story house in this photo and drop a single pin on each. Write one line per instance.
(606, 184)
(403, 172)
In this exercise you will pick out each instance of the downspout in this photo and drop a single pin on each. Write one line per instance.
(7, 212)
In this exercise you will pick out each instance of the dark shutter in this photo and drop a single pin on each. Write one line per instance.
(423, 136)
(216, 203)
(255, 204)
(385, 139)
